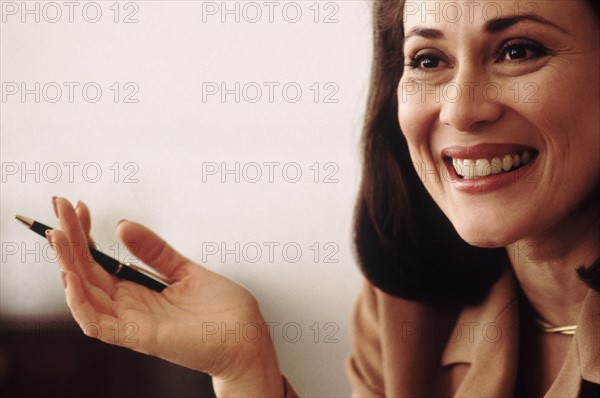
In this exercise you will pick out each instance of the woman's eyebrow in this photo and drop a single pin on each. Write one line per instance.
(492, 26)
(500, 24)
(427, 33)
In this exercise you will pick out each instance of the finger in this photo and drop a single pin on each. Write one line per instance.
(91, 321)
(152, 249)
(69, 223)
(90, 295)
(92, 275)
(83, 213)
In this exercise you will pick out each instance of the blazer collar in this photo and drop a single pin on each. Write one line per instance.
(582, 364)
(587, 338)
(486, 336)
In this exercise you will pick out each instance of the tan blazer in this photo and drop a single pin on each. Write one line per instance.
(407, 349)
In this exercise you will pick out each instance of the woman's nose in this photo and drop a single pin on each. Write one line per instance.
(471, 101)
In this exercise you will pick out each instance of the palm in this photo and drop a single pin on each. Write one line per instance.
(184, 324)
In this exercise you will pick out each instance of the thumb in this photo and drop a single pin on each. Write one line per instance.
(152, 249)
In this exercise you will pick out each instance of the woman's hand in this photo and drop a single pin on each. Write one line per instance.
(202, 321)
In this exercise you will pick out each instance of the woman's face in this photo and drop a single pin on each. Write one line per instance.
(499, 104)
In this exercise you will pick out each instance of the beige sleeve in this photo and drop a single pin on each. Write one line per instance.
(288, 390)
(364, 365)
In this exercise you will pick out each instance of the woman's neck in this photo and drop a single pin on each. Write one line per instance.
(546, 265)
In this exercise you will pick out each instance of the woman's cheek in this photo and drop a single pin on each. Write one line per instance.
(416, 119)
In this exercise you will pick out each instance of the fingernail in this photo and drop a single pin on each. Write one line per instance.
(78, 205)
(121, 220)
(54, 205)
(63, 278)
(47, 232)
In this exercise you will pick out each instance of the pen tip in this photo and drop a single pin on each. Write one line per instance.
(25, 220)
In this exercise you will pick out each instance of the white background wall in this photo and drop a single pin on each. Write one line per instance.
(163, 136)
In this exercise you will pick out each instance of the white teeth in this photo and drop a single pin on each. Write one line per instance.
(473, 168)
(516, 160)
(496, 165)
(469, 169)
(506, 162)
(482, 168)
(457, 166)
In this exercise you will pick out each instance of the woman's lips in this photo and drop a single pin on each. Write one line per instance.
(487, 159)
(486, 167)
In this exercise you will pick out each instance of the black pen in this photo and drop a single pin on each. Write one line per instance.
(126, 271)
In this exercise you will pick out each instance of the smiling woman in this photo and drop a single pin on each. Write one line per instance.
(497, 117)
(548, 150)
(479, 201)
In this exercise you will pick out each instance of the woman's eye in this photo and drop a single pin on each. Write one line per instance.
(521, 51)
(516, 52)
(424, 61)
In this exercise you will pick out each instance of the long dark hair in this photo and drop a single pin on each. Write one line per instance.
(405, 244)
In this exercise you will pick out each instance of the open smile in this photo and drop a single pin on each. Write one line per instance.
(487, 166)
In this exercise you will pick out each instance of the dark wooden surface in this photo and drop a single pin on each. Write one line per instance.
(52, 358)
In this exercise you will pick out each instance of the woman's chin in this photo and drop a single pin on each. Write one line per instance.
(485, 237)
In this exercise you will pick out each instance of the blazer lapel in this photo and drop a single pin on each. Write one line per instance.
(580, 373)
(486, 337)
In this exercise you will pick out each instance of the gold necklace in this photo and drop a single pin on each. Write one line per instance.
(548, 328)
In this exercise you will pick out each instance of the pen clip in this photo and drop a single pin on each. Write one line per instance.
(147, 272)
(118, 269)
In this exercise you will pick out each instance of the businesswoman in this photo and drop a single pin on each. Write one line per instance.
(476, 225)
